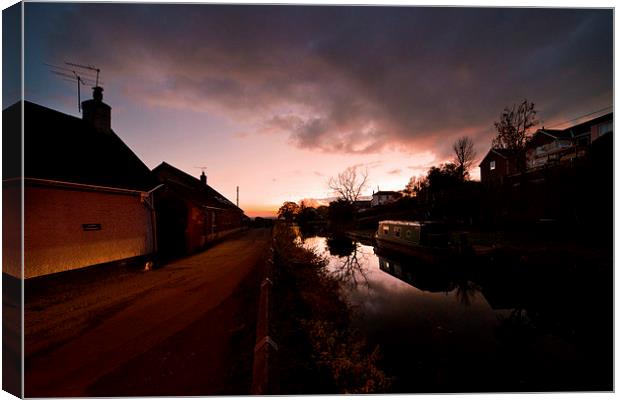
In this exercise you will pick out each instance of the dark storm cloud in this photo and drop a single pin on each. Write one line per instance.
(345, 79)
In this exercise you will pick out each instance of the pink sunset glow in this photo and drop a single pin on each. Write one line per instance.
(276, 100)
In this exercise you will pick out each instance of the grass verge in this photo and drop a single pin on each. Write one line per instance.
(319, 352)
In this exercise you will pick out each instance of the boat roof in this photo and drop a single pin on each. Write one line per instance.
(412, 223)
(409, 223)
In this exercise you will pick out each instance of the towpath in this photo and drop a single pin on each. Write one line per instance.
(185, 329)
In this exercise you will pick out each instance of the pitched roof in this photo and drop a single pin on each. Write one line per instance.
(504, 153)
(64, 148)
(584, 127)
(191, 187)
(386, 192)
(555, 133)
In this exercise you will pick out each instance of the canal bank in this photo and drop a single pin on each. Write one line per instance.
(318, 350)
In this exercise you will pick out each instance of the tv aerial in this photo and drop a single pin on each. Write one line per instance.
(87, 68)
(78, 74)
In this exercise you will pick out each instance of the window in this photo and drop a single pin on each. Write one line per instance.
(492, 165)
(564, 144)
(605, 127)
(408, 234)
(386, 230)
(397, 231)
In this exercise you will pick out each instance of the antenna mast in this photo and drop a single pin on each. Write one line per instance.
(79, 77)
(237, 196)
(87, 67)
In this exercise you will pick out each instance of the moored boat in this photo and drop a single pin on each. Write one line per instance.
(429, 241)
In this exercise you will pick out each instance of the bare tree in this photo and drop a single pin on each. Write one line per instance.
(465, 154)
(349, 184)
(352, 272)
(513, 126)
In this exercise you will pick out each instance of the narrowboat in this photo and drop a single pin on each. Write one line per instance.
(429, 241)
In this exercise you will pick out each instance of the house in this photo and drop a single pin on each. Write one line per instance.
(590, 131)
(498, 164)
(87, 197)
(549, 147)
(192, 213)
(384, 197)
(546, 147)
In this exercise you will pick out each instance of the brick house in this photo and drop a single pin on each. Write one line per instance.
(191, 213)
(498, 164)
(87, 197)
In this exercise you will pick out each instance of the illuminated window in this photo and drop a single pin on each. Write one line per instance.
(386, 230)
(492, 165)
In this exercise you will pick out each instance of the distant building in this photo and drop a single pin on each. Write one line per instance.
(192, 213)
(550, 147)
(87, 197)
(384, 197)
(590, 131)
(546, 147)
(362, 205)
(498, 164)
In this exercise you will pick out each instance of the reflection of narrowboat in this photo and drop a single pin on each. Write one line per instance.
(429, 241)
(432, 280)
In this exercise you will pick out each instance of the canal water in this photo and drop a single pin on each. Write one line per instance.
(502, 326)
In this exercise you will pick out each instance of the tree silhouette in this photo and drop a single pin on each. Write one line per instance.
(464, 155)
(351, 271)
(348, 185)
(415, 185)
(288, 211)
(514, 125)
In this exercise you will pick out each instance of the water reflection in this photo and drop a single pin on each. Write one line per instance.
(499, 326)
(421, 276)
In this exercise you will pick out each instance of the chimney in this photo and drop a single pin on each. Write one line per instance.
(203, 178)
(97, 112)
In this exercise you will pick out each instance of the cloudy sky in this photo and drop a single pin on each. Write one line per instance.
(276, 99)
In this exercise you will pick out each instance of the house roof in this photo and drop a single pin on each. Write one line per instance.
(64, 148)
(504, 153)
(191, 187)
(576, 130)
(554, 133)
(584, 127)
(386, 192)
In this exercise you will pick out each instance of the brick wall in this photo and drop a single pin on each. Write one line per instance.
(55, 239)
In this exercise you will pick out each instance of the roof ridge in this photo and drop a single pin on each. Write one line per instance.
(198, 182)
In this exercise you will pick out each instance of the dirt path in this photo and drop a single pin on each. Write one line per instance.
(185, 329)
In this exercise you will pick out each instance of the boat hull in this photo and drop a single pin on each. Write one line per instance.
(424, 253)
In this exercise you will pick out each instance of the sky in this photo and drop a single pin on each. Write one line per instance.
(276, 99)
